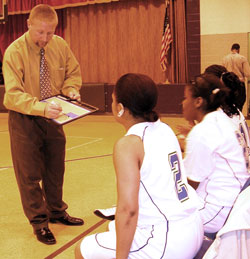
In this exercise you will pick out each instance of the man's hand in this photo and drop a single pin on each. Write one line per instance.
(74, 95)
(52, 110)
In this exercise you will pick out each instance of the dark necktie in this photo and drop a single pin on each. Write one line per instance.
(45, 87)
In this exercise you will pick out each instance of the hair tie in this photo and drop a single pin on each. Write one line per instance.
(216, 90)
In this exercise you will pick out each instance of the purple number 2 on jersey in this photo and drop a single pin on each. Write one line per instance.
(181, 188)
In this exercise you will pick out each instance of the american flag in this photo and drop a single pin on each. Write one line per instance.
(166, 40)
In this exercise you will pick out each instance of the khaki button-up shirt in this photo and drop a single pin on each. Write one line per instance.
(238, 64)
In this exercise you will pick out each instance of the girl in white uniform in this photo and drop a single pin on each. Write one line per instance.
(215, 161)
(156, 215)
(233, 105)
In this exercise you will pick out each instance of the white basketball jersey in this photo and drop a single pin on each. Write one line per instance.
(215, 158)
(164, 192)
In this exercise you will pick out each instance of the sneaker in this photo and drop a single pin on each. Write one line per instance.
(108, 214)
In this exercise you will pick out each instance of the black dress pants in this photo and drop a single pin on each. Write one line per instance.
(38, 154)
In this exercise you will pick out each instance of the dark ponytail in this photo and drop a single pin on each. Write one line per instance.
(151, 116)
(234, 100)
(139, 94)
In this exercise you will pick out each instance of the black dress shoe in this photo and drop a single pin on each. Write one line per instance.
(67, 220)
(45, 236)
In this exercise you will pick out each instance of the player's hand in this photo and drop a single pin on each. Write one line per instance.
(184, 129)
(74, 95)
(52, 110)
(182, 142)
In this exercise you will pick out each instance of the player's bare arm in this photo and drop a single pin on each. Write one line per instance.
(128, 156)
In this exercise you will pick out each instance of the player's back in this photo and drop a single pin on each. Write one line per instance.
(164, 191)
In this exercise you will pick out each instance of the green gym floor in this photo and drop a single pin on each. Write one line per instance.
(89, 184)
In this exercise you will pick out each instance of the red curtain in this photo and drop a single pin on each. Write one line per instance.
(17, 25)
(24, 6)
(178, 71)
(18, 14)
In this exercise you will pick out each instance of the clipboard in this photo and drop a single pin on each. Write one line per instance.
(71, 109)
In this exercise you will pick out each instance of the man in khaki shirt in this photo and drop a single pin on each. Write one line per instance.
(37, 143)
(234, 62)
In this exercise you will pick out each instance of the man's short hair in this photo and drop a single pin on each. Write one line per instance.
(235, 46)
(43, 12)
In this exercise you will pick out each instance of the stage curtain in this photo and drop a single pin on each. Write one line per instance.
(24, 6)
(17, 25)
(178, 69)
(118, 38)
